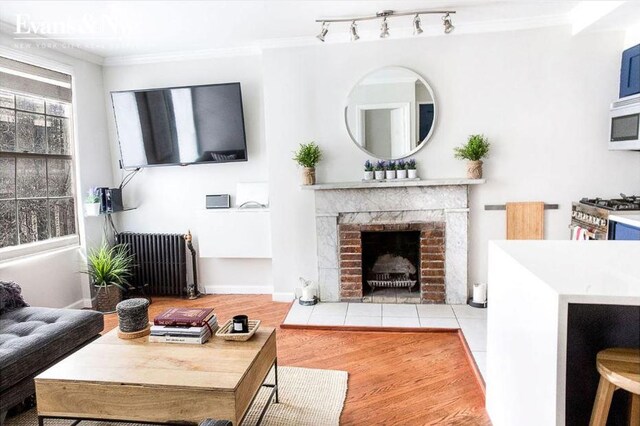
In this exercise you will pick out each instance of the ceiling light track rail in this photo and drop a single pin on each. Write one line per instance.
(384, 27)
(386, 13)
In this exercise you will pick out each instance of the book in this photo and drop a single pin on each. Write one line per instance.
(162, 330)
(190, 340)
(190, 317)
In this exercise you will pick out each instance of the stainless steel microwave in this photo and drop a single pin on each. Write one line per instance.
(625, 124)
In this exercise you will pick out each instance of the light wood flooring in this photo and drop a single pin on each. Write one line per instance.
(395, 378)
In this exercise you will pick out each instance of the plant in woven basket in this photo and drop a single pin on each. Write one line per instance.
(476, 148)
(109, 269)
(308, 155)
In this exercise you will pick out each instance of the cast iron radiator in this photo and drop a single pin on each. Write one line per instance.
(160, 262)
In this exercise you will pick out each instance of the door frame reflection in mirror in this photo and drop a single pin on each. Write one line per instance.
(359, 131)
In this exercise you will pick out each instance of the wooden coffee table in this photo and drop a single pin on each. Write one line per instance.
(137, 381)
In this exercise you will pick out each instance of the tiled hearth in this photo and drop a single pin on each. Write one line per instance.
(438, 209)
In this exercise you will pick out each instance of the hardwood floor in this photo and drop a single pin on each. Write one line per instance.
(395, 378)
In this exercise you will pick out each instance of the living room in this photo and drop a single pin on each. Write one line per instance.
(384, 270)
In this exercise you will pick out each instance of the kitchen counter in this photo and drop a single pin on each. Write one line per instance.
(553, 301)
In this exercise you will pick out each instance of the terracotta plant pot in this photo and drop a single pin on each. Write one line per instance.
(309, 176)
(107, 298)
(474, 169)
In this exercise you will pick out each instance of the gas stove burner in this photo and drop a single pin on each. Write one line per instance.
(618, 204)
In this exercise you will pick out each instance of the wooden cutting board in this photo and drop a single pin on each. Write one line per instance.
(525, 220)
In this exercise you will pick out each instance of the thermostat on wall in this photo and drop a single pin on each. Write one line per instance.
(218, 201)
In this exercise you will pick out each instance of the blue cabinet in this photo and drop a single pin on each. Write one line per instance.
(630, 72)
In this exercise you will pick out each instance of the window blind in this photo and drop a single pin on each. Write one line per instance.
(30, 79)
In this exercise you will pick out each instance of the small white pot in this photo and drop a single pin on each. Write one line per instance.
(412, 173)
(368, 175)
(390, 174)
(92, 209)
(379, 174)
(401, 174)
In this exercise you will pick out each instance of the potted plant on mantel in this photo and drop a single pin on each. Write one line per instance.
(308, 155)
(109, 270)
(401, 171)
(368, 170)
(412, 171)
(390, 172)
(476, 148)
(92, 203)
(379, 170)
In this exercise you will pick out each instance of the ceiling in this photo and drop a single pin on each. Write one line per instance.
(112, 29)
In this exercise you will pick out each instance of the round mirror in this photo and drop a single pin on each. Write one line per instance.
(390, 113)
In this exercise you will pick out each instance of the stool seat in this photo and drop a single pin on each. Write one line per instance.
(619, 368)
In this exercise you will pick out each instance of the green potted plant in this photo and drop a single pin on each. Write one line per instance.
(379, 170)
(412, 172)
(476, 148)
(92, 203)
(368, 170)
(308, 155)
(109, 269)
(390, 172)
(401, 171)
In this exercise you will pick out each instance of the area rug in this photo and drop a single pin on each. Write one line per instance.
(308, 397)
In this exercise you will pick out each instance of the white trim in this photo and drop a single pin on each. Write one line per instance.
(283, 297)
(39, 247)
(78, 304)
(238, 289)
(18, 55)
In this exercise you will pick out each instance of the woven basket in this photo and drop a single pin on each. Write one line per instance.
(225, 331)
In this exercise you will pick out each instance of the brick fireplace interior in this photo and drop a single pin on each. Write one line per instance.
(392, 263)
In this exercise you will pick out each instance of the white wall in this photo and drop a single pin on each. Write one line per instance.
(541, 96)
(52, 279)
(168, 198)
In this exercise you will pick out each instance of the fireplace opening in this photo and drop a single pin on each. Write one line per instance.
(391, 267)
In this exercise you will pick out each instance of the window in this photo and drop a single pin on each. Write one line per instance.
(36, 168)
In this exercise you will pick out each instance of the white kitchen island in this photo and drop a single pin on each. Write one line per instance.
(548, 299)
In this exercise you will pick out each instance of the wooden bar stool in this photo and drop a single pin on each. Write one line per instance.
(619, 368)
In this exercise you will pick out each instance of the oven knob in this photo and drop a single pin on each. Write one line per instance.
(603, 222)
(574, 213)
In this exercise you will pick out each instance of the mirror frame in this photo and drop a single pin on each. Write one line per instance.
(423, 143)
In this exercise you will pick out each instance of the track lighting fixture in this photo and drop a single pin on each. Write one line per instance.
(448, 26)
(384, 27)
(416, 25)
(323, 31)
(354, 31)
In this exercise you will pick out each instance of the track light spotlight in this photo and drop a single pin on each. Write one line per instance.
(448, 26)
(354, 31)
(323, 31)
(416, 25)
(384, 28)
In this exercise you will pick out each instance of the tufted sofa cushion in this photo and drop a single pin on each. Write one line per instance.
(32, 338)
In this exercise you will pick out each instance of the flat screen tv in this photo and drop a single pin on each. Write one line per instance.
(180, 125)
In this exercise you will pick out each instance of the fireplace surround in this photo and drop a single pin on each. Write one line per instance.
(437, 208)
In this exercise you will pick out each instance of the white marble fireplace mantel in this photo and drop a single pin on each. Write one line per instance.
(393, 183)
(393, 202)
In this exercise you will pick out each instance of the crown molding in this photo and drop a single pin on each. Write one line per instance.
(7, 30)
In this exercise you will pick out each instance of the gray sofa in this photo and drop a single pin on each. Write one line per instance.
(32, 339)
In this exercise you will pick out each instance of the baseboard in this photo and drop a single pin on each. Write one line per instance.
(283, 297)
(77, 304)
(238, 289)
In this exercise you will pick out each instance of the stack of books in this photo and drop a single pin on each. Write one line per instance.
(184, 325)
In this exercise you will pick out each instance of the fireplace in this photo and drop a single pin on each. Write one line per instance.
(392, 263)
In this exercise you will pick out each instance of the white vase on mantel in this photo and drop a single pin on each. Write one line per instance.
(368, 175)
(401, 174)
(412, 173)
(390, 174)
(379, 174)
